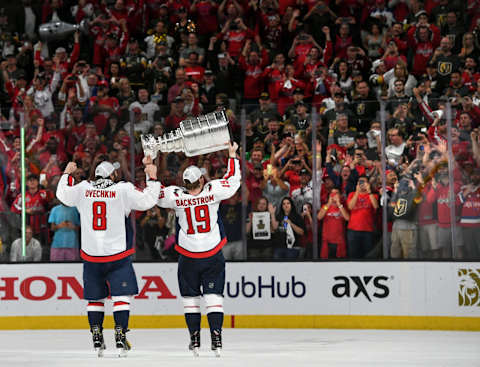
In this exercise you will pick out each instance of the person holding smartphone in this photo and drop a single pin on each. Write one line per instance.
(362, 204)
(334, 215)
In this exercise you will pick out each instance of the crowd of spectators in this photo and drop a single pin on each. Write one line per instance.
(145, 65)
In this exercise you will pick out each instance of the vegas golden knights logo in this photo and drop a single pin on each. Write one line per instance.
(444, 68)
(469, 287)
(361, 109)
(400, 207)
(261, 225)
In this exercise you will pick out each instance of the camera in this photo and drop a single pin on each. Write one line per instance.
(434, 154)
(362, 183)
(416, 167)
(417, 137)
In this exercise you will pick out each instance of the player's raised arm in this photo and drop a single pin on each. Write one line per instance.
(67, 191)
(229, 184)
(146, 199)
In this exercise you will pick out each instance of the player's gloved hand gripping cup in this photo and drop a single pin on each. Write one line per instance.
(201, 135)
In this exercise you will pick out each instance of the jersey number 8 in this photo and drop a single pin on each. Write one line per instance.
(202, 217)
(99, 215)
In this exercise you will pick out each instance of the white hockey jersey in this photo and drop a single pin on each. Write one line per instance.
(200, 232)
(102, 214)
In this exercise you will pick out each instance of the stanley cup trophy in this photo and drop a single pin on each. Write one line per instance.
(195, 136)
(58, 30)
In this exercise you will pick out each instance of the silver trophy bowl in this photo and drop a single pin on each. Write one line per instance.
(195, 136)
(60, 30)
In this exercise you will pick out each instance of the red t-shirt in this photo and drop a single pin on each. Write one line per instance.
(254, 189)
(333, 226)
(236, 39)
(301, 52)
(293, 179)
(362, 216)
(173, 121)
(195, 73)
(206, 17)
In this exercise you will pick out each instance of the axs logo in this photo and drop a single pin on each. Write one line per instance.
(354, 286)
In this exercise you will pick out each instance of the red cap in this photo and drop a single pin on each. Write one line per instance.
(103, 83)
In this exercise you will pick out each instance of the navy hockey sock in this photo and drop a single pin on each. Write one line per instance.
(215, 320)
(121, 318)
(95, 318)
(193, 321)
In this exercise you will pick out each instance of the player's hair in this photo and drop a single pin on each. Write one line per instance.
(192, 185)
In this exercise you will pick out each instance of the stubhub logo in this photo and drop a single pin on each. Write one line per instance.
(266, 287)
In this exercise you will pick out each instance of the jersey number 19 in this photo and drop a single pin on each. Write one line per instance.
(202, 218)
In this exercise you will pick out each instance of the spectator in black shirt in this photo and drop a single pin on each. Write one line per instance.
(364, 107)
(341, 108)
(265, 110)
(399, 97)
(454, 30)
(208, 91)
(446, 62)
(456, 86)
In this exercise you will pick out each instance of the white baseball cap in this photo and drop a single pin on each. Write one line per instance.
(192, 174)
(105, 169)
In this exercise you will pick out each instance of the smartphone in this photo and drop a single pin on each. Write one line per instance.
(43, 177)
(269, 169)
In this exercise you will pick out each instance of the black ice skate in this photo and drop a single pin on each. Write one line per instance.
(216, 342)
(123, 346)
(194, 343)
(98, 343)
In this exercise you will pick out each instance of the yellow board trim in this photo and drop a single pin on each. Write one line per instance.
(256, 321)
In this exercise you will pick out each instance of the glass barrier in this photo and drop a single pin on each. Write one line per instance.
(329, 180)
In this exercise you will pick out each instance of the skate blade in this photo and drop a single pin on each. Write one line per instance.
(99, 352)
(217, 352)
(195, 352)
(121, 352)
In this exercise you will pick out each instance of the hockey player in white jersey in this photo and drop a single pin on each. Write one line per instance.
(106, 245)
(200, 238)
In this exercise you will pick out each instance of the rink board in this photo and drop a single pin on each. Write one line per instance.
(369, 295)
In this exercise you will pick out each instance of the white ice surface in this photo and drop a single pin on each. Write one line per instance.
(247, 348)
